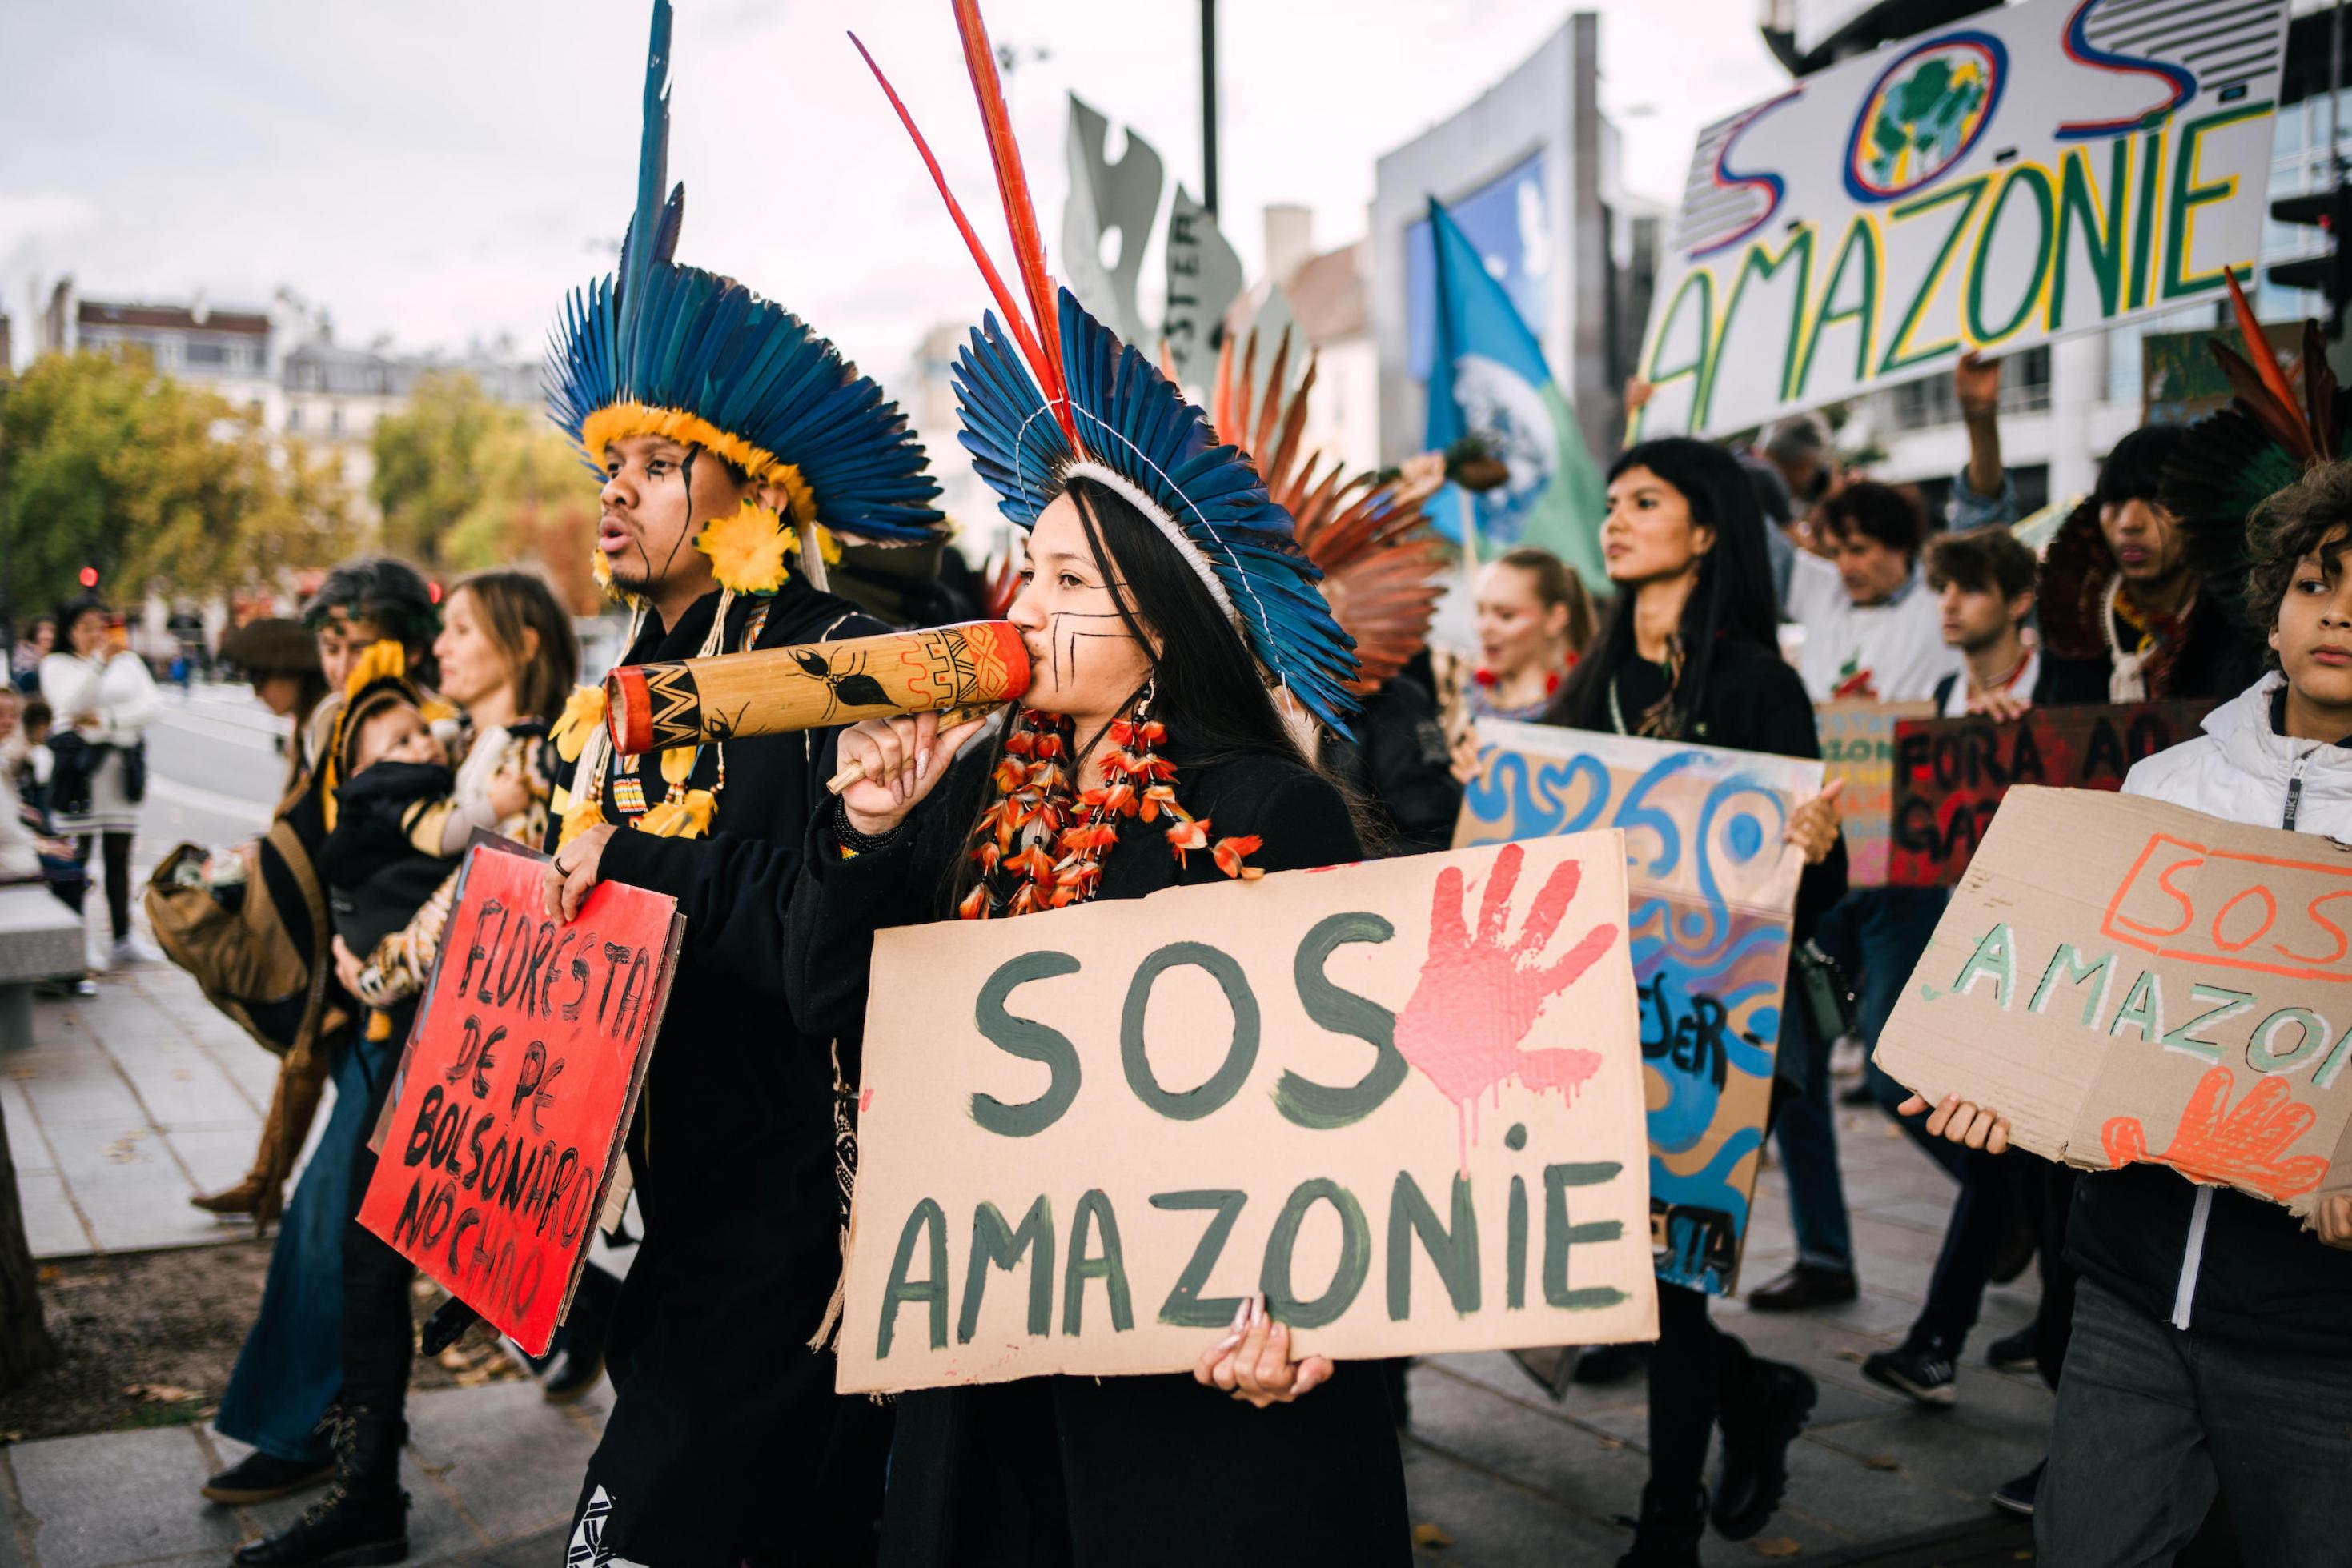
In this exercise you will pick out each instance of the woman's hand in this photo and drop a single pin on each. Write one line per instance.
(904, 757)
(574, 872)
(1962, 1122)
(1253, 1361)
(511, 793)
(347, 967)
(1813, 825)
(1463, 759)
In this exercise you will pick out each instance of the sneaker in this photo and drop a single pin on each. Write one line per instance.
(2014, 1352)
(136, 949)
(1922, 1371)
(2017, 1496)
(1803, 1288)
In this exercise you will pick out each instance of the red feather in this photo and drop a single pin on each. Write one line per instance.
(2296, 433)
(1020, 213)
(1022, 337)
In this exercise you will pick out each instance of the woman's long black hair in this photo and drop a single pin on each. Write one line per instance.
(1732, 600)
(1205, 686)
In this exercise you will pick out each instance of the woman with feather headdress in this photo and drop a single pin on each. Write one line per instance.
(1164, 592)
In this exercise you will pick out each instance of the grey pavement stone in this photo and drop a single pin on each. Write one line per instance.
(1493, 1523)
(514, 1461)
(52, 1230)
(119, 1498)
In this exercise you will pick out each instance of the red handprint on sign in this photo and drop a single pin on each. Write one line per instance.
(2235, 1147)
(1477, 999)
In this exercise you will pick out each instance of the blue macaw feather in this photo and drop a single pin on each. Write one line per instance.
(673, 337)
(1131, 420)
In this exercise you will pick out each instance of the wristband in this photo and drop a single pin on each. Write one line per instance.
(856, 842)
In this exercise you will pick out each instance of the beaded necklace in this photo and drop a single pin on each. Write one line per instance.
(1037, 804)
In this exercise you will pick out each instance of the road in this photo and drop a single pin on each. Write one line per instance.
(214, 762)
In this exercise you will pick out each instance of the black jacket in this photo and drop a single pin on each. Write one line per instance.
(1399, 766)
(1147, 1470)
(726, 1420)
(2216, 660)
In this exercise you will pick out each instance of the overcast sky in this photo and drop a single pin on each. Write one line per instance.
(439, 172)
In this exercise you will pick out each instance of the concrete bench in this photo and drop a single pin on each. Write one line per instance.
(40, 939)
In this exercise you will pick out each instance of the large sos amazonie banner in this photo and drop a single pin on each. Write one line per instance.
(2031, 172)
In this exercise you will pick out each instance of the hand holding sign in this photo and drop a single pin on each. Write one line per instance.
(2238, 1147)
(1253, 1361)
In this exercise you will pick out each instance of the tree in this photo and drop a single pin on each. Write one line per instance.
(466, 483)
(427, 458)
(25, 1343)
(106, 464)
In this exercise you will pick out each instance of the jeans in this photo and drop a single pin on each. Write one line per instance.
(1806, 1132)
(1881, 933)
(292, 1362)
(2152, 1423)
(379, 1337)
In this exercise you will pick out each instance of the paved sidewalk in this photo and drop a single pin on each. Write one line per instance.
(485, 1467)
(128, 1103)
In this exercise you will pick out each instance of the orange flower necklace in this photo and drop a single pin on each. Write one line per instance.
(1037, 805)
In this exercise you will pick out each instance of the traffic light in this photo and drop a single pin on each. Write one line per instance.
(90, 577)
(2330, 272)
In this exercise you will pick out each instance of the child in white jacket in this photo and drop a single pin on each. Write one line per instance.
(2212, 1337)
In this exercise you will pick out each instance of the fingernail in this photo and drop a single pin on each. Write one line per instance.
(922, 763)
(1228, 1343)
(1240, 1315)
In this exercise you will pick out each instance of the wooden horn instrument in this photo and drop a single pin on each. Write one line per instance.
(775, 691)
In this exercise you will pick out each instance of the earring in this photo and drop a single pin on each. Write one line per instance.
(1143, 701)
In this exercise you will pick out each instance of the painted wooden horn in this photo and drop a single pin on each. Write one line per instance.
(775, 691)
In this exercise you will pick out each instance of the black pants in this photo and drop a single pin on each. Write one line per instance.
(1982, 1216)
(1694, 1371)
(118, 878)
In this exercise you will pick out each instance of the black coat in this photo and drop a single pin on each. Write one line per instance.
(1398, 765)
(726, 1431)
(1120, 1471)
(2216, 660)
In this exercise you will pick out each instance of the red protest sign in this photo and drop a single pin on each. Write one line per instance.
(517, 1086)
(1951, 773)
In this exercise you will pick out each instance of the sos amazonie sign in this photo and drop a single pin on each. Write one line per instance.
(1402, 1098)
(517, 1086)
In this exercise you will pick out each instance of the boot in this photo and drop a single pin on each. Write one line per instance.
(1667, 1534)
(301, 1079)
(1758, 1425)
(363, 1517)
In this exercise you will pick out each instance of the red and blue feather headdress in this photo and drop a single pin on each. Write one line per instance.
(657, 349)
(1052, 394)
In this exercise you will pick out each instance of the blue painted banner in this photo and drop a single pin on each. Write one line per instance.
(1711, 893)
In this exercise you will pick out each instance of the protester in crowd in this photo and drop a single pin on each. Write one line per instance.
(40, 639)
(2124, 615)
(2211, 1352)
(280, 658)
(1871, 631)
(1798, 448)
(726, 482)
(1984, 582)
(1779, 514)
(290, 1367)
(104, 702)
(1688, 652)
(1123, 1459)
(28, 852)
(1534, 619)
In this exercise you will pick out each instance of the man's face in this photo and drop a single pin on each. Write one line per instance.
(2147, 540)
(1976, 618)
(1871, 570)
(648, 526)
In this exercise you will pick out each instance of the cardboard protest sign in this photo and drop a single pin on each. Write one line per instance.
(2030, 171)
(517, 1084)
(1403, 1099)
(1951, 773)
(2129, 980)
(1858, 745)
(1712, 891)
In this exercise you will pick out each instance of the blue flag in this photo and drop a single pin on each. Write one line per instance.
(1487, 378)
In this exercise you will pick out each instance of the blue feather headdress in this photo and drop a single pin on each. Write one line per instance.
(657, 349)
(1054, 395)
